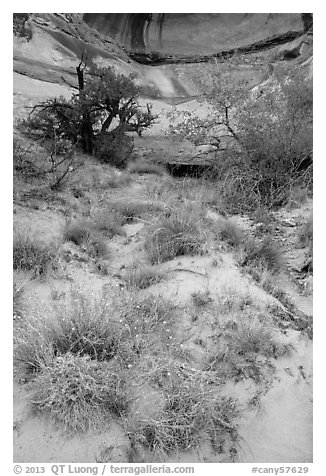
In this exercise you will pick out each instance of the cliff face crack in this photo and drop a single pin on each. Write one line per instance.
(158, 59)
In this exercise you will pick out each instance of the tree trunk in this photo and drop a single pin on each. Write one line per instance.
(86, 131)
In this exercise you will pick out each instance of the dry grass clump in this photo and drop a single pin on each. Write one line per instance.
(245, 350)
(85, 353)
(33, 255)
(79, 392)
(201, 298)
(226, 230)
(103, 329)
(212, 198)
(142, 277)
(108, 223)
(83, 233)
(193, 412)
(78, 232)
(182, 233)
(131, 209)
(306, 233)
(145, 167)
(262, 254)
(19, 290)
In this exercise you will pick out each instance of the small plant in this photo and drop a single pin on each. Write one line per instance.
(201, 299)
(83, 233)
(79, 392)
(109, 223)
(33, 255)
(129, 210)
(263, 253)
(228, 231)
(254, 338)
(190, 414)
(142, 277)
(144, 167)
(179, 234)
(78, 232)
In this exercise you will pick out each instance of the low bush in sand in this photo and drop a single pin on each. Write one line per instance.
(145, 167)
(79, 392)
(32, 255)
(182, 233)
(88, 357)
(101, 328)
(226, 230)
(192, 413)
(201, 298)
(84, 233)
(142, 277)
(108, 223)
(264, 253)
(129, 209)
(246, 349)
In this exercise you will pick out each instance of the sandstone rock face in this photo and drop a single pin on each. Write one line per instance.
(192, 33)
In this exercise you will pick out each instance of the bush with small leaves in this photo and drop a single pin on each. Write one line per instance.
(79, 392)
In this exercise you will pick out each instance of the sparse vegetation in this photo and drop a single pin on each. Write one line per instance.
(157, 310)
(130, 210)
(142, 277)
(191, 412)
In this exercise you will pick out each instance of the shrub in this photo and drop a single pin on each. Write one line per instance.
(179, 234)
(263, 253)
(103, 329)
(201, 299)
(79, 392)
(78, 232)
(228, 231)
(115, 148)
(191, 413)
(142, 277)
(35, 256)
(245, 350)
(268, 150)
(254, 338)
(109, 223)
(83, 233)
(144, 167)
